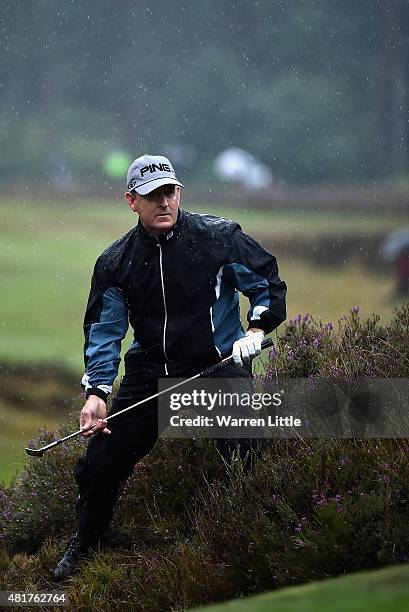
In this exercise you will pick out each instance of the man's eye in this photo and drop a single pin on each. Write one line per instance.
(168, 192)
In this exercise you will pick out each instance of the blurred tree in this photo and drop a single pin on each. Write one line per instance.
(317, 90)
(394, 86)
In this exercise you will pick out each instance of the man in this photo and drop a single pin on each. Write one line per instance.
(175, 277)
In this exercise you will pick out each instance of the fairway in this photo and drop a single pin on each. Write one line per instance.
(48, 252)
(17, 427)
(377, 591)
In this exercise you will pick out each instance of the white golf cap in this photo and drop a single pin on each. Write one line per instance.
(149, 172)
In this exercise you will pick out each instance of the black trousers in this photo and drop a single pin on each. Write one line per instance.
(111, 458)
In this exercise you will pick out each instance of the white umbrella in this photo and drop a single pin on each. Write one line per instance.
(394, 243)
(235, 165)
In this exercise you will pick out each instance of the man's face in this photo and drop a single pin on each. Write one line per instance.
(158, 210)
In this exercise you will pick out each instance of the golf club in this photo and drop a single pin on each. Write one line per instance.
(39, 452)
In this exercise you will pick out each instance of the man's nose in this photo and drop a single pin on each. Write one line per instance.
(162, 199)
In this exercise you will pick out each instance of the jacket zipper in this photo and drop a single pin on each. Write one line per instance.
(164, 304)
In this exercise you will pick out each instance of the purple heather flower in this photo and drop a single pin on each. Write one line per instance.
(272, 352)
(295, 320)
(319, 499)
(334, 370)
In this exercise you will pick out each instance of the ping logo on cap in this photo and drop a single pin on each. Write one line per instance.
(149, 172)
(154, 167)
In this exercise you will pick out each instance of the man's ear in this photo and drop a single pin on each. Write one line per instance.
(131, 201)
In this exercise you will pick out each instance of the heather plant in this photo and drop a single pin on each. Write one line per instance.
(353, 348)
(190, 529)
(39, 503)
(308, 509)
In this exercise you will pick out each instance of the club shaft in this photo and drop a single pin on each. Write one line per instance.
(60, 440)
(226, 361)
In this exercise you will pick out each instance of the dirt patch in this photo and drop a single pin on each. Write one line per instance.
(328, 250)
(45, 387)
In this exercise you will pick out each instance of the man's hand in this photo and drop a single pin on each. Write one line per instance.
(248, 347)
(94, 411)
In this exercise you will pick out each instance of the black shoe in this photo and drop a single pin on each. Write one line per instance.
(68, 564)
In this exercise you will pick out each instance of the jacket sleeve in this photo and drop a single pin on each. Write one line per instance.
(254, 272)
(105, 326)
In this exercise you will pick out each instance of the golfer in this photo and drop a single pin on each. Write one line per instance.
(175, 278)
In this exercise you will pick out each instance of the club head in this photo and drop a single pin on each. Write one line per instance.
(35, 452)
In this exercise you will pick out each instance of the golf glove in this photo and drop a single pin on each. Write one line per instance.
(247, 347)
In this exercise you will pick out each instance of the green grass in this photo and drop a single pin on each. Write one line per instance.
(329, 293)
(17, 427)
(113, 217)
(307, 223)
(377, 591)
(47, 252)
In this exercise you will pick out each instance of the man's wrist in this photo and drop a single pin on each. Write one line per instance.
(98, 392)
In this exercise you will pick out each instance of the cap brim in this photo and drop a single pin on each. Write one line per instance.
(154, 184)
